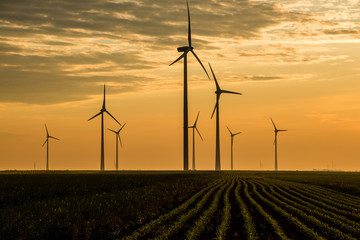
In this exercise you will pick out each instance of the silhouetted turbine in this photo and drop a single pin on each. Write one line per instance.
(185, 51)
(218, 92)
(117, 143)
(275, 142)
(102, 110)
(195, 128)
(47, 146)
(232, 142)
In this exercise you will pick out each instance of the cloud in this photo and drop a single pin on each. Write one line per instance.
(64, 48)
(48, 88)
(342, 32)
(330, 118)
(6, 136)
(286, 54)
(57, 51)
(280, 77)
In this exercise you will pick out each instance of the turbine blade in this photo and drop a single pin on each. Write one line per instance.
(225, 91)
(229, 130)
(200, 63)
(104, 99)
(112, 117)
(281, 130)
(45, 142)
(120, 140)
(197, 118)
(216, 105)
(95, 116)
(122, 127)
(236, 133)
(189, 25)
(217, 84)
(112, 130)
(273, 124)
(182, 55)
(199, 134)
(47, 132)
(54, 138)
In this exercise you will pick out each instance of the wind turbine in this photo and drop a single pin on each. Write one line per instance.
(102, 110)
(117, 143)
(218, 92)
(185, 51)
(232, 142)
(275, 142)
(195, 128)
(47, 146)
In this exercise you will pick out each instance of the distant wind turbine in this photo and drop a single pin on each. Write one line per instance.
(47, 146)
(195, 128)
(232, 142)
(218, 92)
(102, 110)
(185, 51)
(117, 143)
(275, 142)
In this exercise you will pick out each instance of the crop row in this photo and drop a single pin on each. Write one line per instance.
(307, 215)
(266, 208)
(152, 225)
(249, 226)
(307, 232)
(331, 195)
(321, 201)
(226, 218)
(205, 218)
(326, 201)
(325, 215)
(276, 228)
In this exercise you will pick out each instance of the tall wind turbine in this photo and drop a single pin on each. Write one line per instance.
(47, 146)
(117, 143)
(275, 142)
(185, 51)
(102, 110)
(218, 92)
(195, 128)
(232, 142)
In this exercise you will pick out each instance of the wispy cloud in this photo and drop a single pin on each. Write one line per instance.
(59, 50)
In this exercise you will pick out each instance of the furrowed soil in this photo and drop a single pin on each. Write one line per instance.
(179, 205)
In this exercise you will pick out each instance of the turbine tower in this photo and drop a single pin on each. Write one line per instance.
(117, 143)
(102, 111)
(195, 128)
(232, 142)
(275, 142)
(185, 51)
(47, 147)
(218, 92)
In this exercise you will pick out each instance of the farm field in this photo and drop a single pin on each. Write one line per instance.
(177, 205)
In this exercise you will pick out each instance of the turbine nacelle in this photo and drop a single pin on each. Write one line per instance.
(232, 134)
(194, 126)
(219, 91)
(184, 49)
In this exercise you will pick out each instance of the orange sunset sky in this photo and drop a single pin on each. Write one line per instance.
(295, 61)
